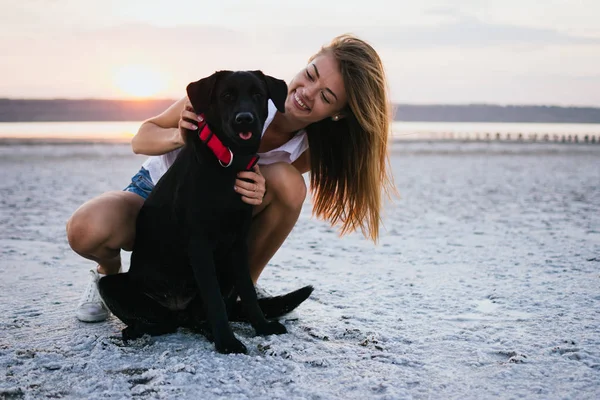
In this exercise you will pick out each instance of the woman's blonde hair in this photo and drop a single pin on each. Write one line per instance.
(348, 158)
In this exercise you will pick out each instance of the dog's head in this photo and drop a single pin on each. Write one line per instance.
(235, 105)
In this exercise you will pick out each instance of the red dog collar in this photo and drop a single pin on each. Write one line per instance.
(222, 152)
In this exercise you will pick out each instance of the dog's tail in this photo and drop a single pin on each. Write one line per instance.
(276, 306)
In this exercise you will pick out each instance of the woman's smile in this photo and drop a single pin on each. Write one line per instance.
(299, 103)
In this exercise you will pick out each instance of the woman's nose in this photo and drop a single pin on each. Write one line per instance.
(310, 91)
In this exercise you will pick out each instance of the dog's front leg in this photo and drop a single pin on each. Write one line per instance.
(247, 292)
(203, 265)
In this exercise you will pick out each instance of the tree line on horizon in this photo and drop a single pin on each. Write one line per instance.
(24, 110)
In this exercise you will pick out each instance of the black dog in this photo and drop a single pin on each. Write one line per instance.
(190, 257)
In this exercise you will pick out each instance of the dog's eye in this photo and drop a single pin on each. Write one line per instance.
(227, 96)
(257, 96)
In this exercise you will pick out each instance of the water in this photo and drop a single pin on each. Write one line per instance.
(124, 131)
(113, 131)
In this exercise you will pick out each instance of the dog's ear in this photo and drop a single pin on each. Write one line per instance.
(277, 90)
(200, 92)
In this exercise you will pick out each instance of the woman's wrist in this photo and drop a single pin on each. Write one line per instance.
(176, 138)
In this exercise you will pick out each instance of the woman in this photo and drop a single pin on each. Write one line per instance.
(336, 106)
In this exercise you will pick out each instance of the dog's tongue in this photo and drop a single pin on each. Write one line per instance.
(245, 135)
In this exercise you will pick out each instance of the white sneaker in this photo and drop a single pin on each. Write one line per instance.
(91, 308)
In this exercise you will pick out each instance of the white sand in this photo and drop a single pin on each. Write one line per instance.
(486, 284)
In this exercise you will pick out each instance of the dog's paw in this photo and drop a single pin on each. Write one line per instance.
(131, 333)
(204, 329)
(271, 328)
(232, 346)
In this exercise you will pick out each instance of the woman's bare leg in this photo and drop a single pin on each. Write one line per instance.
(275, 218)
(101, 227)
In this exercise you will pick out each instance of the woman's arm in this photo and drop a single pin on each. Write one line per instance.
(163, 133)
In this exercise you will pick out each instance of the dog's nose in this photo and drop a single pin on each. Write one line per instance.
(244, 117)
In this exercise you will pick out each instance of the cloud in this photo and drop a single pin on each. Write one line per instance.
(459, 59)
(458, 31)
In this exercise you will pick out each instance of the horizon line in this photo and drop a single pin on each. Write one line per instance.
(157, 99)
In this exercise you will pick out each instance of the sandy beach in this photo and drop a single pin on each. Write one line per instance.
(485, 284)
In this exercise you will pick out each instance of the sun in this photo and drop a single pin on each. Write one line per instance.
(139, 80)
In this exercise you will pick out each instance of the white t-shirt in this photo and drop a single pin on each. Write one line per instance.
(287, 152)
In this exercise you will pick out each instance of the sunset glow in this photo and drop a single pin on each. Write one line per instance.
(489, 52)
(139, 81)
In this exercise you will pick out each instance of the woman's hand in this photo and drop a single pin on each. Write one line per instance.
(188, 119)
(253, 191)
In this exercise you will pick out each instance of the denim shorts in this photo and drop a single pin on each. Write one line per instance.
(141, 184)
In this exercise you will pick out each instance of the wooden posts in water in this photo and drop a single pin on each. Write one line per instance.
(522, 137)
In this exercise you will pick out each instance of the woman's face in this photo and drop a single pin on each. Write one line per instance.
(316, 92)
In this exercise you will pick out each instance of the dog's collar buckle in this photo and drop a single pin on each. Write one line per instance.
(230, 159)
(223, 153)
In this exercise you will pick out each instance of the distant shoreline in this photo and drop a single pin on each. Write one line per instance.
(37, 141)
(63, 110)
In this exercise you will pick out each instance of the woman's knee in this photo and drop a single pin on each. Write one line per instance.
(286, 185)
(84, 229)
(106, 218)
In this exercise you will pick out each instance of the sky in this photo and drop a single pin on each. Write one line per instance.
(456, 52)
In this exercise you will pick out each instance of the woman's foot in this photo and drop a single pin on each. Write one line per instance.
(91, 308)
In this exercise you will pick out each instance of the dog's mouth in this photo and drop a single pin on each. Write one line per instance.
(245, 135)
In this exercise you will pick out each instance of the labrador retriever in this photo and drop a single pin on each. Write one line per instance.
(190, 258)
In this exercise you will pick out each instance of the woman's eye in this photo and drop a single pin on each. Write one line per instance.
(309, 76)
(325, 99)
